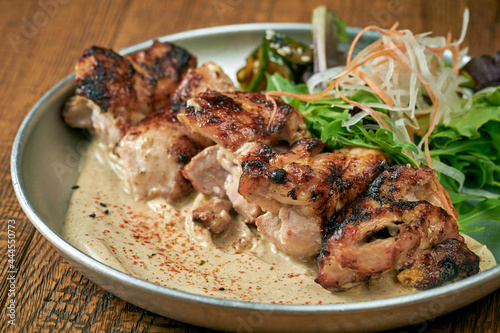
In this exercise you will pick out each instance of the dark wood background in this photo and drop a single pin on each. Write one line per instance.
(39, 43)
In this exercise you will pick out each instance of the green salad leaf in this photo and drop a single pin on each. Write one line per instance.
(471, 143)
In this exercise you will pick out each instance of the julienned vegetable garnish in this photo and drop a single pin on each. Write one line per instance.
(402, 95)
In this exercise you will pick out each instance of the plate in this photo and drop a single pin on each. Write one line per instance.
(44, 166)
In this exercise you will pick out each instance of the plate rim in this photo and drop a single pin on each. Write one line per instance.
(67, 249)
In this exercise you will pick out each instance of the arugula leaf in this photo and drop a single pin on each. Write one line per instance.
(485, 107)
(486, 209)
(471, 143)
(324, 119)
(279, 83)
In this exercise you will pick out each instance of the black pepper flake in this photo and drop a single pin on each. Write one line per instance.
(106, 212)
(279, 176)
(92, 215)
(102, 204)
(75, 187)
(222, 289)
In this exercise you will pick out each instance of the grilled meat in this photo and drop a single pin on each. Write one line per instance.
(389, 228)
(446, 261)
(207, 77)
(232, 119)
(213, 215)
(114, 92)
(404, 182)
(302, 188)
(215, 173)
(153, 154)
(155, 151)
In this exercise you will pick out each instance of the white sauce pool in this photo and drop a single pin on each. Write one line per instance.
(158, 242)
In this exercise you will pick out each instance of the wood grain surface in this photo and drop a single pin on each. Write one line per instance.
(39, 43)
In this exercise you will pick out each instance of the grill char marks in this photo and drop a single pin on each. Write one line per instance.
(232, 119)
(397, 224)
(319, 183)
(302, 188)
(104, 77)
(114, 92)
(447, 261)
(208, 76)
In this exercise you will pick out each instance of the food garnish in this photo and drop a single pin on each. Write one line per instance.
(409, 96)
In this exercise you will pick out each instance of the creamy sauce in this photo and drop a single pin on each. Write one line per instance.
(158, 242)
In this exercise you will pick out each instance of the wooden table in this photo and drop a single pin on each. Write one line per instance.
(40, 41)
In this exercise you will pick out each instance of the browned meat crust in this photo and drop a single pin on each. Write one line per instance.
(303, 188)
(232, 119)
(393, 227)
(119, 91)
(207, 77)
(447, 261)
(213, 215)
(318, 183)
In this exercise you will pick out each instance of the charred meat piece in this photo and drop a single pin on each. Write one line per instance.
(208, 76)
(447, 261)
(392, 227)
(213, 215)
(318, 183)
(404, 182)
(304, 187)
(154, 152)
(161, 67)
(232, 119)
(369, 240)
(119, 91)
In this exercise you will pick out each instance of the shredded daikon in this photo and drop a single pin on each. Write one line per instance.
(410, 75)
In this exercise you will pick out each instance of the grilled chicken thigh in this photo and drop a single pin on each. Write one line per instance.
(393, 227)
(114, 92)
(153, 154)
(155, 151)
(208, 76)
(232, 119)
(301, 189)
